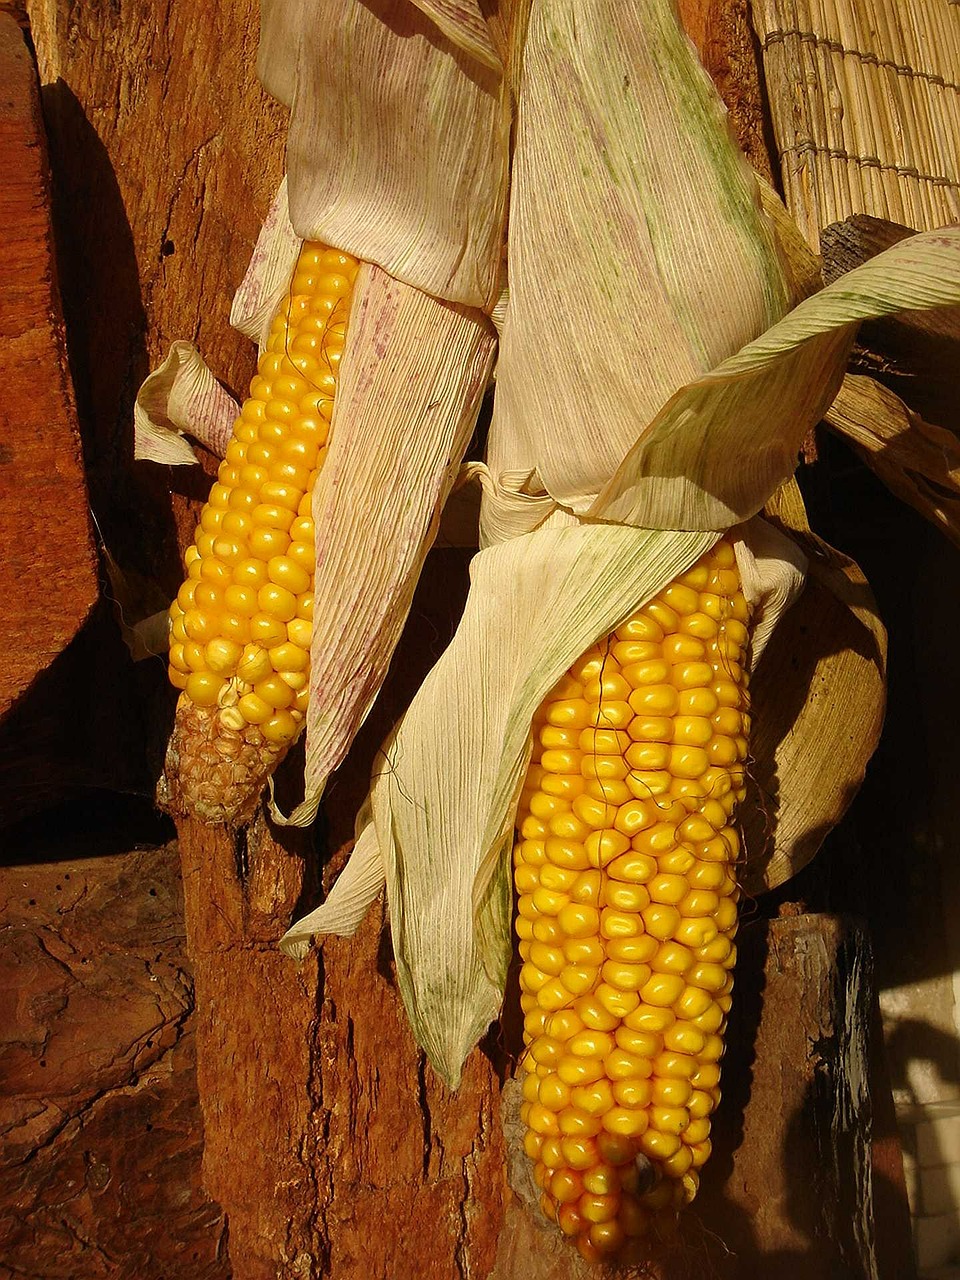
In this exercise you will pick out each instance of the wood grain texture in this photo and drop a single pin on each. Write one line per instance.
(99, 1117)
(48, 572)
(798, 1198)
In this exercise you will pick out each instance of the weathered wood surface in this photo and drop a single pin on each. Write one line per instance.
(48, 571)
(100, 1136)
(798, 1197)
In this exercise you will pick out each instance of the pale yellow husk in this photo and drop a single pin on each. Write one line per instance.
(398, 148)
(639, 255)
(411, 381)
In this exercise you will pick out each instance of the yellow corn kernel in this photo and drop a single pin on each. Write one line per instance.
(627, 815)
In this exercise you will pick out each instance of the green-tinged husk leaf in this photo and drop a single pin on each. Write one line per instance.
(818, 700)
(723, 444)
(398, 148)
(411, 381)
(639, 256)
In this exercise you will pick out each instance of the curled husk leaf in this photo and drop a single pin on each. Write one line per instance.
(181, 396)
(818, 701)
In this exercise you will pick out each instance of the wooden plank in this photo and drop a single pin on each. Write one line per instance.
(48, 572)
(917, 353)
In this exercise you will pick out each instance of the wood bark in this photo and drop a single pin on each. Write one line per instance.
(330, 1145)
(100, 1137)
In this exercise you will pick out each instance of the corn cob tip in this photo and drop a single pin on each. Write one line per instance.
(214, 772)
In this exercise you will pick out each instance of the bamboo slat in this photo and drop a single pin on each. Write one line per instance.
(865, 100)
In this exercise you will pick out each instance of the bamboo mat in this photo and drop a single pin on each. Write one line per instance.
(865, 100)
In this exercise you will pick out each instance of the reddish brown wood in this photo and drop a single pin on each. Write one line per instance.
(99, 1120)
(48, 572)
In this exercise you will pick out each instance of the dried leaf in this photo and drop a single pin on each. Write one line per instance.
(916, 460)
(802, 267)
(818, 701)
(357, 886)
(411, 382)
(139, 606)
(721, 445)
(182, 395)
(464, 25)
(398, 147)
(639, 254)
(268, 273)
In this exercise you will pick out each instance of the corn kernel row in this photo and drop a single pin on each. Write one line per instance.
(241, 624)
(627, 909)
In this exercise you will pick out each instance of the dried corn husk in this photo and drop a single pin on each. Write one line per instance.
(591, 503)
(441, 813)
(398, 149)
(639, 255)
(182, 395)
(818, 700)
(411, 382)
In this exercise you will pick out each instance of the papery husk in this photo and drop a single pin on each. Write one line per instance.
(355, 888)
(802, 268)
(441, 811)
(411, 382)
(267, 277)
(639, 253)
(917, 460)
(398, 148)
(181, 396)
(465, 26)
(721, 445)
(818, 701)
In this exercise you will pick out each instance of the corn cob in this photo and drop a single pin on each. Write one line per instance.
(241, 624)
(624, 870)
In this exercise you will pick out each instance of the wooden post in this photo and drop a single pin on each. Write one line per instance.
(48, 570)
